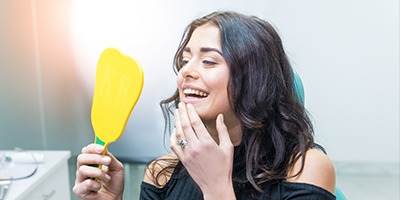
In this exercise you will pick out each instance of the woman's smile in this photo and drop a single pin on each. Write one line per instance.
(204, 74)
(193, 94)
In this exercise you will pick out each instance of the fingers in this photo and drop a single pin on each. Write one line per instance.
(183, 124)
(223, 134)
(86, 187)
(189, 126)
(89, 172)
(84, 182)
(91, 180)
(92, 155)
(177, 132)
(183, 129)
(87, 163)
(173, 140)
(196, 124)
(93, 148)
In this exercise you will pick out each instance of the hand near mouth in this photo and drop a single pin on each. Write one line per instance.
(208, 163)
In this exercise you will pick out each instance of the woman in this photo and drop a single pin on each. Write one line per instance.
(240, 132)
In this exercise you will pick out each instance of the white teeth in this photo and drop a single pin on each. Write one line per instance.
(189, 91)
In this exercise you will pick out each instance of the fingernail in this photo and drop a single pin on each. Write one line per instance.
(99, 149)
(221, 118)
(107, 177)
(180, 105)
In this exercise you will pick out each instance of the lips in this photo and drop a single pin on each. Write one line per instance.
(194, 93)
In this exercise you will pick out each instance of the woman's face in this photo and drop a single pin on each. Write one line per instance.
(203, 78)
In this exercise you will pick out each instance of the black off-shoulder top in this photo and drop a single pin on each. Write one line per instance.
(182, 187)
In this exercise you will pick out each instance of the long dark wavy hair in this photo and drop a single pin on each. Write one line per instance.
(276, 128)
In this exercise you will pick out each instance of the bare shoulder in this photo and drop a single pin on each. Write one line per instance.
(157, 172)
(318, 170)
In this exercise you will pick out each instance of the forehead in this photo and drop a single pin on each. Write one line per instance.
(207, 35)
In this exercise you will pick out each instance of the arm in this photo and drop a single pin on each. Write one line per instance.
(110, 179)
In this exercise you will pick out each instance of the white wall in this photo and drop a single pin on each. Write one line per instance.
(347, 53)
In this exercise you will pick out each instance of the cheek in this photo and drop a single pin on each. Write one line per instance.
(224, 102)
(224, 93)
(222, 97)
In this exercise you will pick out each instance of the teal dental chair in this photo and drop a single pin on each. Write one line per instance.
(299, 89)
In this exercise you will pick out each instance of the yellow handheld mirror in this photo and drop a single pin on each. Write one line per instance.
(119, 82)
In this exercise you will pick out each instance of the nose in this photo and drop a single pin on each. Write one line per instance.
(190, 70)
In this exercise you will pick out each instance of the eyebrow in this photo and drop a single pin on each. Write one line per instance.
(204, 49)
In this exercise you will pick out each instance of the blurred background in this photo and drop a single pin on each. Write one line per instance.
(346, 52)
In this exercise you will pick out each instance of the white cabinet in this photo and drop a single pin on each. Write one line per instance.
(50, 182)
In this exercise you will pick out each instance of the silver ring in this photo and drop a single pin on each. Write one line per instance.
(183, 142)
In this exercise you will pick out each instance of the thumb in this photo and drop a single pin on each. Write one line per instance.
(115, 164)
(223, 134)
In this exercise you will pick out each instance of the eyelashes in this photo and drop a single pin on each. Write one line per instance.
(205, 62)
(209, 63)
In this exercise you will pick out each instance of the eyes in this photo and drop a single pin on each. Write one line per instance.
(206, 62)
(206, 57)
